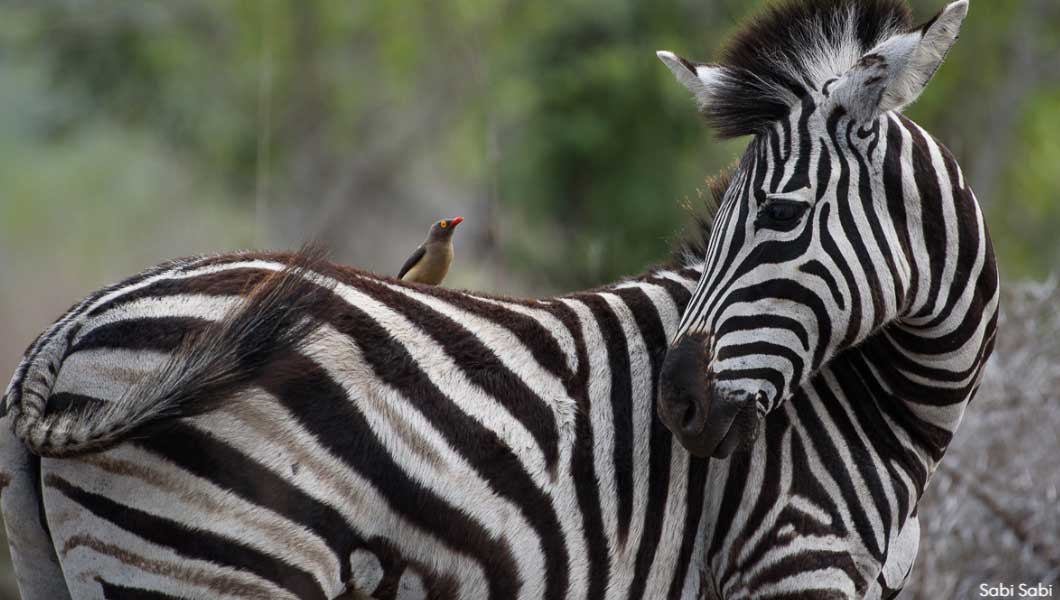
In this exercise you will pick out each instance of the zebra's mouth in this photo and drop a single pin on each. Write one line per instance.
(707, 420)
(742, 430)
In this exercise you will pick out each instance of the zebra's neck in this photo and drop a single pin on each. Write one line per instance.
(920, 370)
(634, 482)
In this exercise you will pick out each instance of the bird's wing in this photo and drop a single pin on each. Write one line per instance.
(411, 262)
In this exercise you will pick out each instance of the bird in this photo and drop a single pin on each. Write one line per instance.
(430, 261)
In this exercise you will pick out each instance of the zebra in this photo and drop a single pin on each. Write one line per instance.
(262, 425)
(847, 307)
(259, 425)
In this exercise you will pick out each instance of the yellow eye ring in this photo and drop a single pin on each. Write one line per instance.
(443, 224)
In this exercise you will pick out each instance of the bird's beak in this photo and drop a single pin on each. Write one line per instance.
(455, 221)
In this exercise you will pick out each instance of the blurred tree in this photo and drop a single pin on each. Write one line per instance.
(550, 122)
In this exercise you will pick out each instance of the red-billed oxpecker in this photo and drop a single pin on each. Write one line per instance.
(430, 262)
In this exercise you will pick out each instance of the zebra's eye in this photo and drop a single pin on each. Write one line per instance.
(780, 214)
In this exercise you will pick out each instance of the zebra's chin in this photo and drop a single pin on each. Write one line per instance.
(707, 419)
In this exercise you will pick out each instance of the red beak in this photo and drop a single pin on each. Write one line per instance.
(456, 221)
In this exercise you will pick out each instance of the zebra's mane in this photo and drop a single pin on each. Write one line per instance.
(692, 246)
(794, 44)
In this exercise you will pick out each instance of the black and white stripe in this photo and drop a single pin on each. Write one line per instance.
(340, 431)
(847, 306)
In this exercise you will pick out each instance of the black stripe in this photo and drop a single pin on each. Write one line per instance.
(209, 458)
(800, 175)
(894, 195)
(535, 336)
(582, 468)
(868, 204)
(697, 479)
(898, 408)
(804, 481)
(777, 161)
(141, 333)
(829, 245)
(480, 365)
(660, 444)
(796, 293)
(321, 406)
(731, 501)
(192, 543)
(68, 401)
(113, 591)
(856, 381)
(968, 248)
(237, 281)
(766, 321)
(808, 561)
(839, 471)
(756, 351)
(739, 214)
(33, 471)
(765, 497)
(851, 233)
(621, 407)
(815, 268)
(932, 217)
(678, 293)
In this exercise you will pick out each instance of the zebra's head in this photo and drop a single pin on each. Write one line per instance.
(804, 259)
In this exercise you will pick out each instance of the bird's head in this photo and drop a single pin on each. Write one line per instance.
(443, 230)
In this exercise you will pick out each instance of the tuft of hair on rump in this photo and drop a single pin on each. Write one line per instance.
(767, 65)
(279, 317)
(692, 245)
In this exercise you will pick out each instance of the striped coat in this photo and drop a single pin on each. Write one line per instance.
(344, 432)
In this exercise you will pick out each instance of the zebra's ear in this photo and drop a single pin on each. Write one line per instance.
(892, 75)
(699, 79)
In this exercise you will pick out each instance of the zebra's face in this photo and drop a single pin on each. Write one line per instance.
(773, 303)
(804, 260)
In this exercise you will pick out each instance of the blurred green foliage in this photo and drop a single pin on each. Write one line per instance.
(556, 113)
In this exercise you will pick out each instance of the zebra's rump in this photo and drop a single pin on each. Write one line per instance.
(299, 478)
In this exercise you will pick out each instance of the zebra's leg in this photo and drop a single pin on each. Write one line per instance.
(36, 564)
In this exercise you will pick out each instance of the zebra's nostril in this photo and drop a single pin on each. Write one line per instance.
(693, 419)
(684, 400)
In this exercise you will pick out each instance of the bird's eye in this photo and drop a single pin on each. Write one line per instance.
(780, 214)
(443, 224)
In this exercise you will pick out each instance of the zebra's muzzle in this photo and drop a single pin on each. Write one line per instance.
(708, 421)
